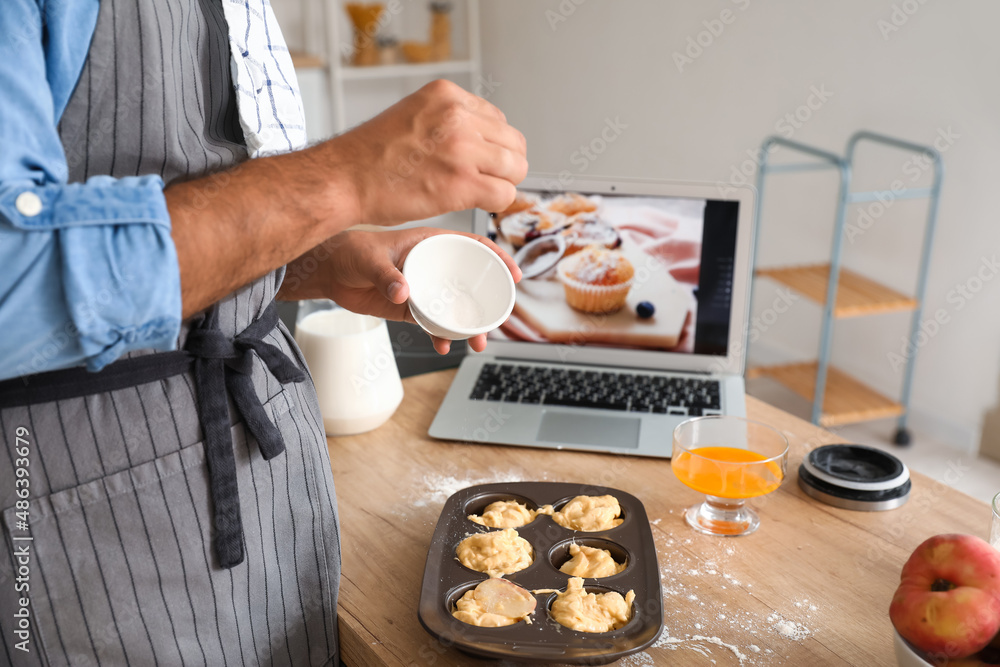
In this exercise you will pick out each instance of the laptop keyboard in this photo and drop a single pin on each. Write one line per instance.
(625, 392)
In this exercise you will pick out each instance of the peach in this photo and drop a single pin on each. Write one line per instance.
(988, 657)
(948, 600)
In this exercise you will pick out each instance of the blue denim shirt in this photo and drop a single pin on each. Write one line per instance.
(88, 271)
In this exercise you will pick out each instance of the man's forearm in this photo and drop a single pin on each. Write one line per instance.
(235, 226)
(441, 149)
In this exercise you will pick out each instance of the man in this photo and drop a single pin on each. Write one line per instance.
(172, 502)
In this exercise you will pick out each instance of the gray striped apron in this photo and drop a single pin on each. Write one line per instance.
(123, 562)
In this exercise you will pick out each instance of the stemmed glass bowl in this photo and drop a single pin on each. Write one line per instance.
(729, 459)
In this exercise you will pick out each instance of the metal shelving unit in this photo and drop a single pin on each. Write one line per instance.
(837, 397)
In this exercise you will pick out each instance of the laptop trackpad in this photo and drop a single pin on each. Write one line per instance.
(585, 429)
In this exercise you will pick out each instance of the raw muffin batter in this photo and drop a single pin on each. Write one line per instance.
(507, 514)
(590, 562)
(496, 553)
(591, 612)
(590, 513)
(494, 604)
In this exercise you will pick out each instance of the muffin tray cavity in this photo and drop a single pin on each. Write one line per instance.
(543, 640)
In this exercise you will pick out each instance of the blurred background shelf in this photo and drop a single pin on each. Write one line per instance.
(430, 70)
(856, 295)
(845, 400)
(302, 60)
(838, 398)
(328, 45)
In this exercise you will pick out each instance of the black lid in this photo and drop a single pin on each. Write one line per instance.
(856, 463)
(853, 499)
(855, 477)
(856, 467)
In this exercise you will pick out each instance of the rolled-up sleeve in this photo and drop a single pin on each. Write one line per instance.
(89, 270)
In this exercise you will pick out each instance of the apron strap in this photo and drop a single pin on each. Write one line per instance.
(222, 367)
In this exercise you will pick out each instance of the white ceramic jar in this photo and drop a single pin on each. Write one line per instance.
(351, 360)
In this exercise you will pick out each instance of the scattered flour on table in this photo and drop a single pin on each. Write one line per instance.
(642, 659)
(715, 627)
(691, 642)
(434, 489)
(788, 629)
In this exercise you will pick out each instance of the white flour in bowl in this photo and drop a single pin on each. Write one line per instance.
(464, 312)
(454, 307)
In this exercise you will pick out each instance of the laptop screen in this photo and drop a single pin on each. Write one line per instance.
(620, 271)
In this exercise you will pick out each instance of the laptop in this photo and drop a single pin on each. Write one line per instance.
(631, 358)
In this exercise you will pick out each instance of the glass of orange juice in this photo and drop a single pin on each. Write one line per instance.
(729, 459)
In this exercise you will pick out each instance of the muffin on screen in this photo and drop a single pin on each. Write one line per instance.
(596, 279)
(587, 229)
(571, 204)
(525, 226)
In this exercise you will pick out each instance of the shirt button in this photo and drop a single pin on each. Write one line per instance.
(28, 204)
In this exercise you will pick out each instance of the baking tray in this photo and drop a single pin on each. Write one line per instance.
(544, 640)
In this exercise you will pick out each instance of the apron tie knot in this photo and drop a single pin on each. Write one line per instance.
(223, 366)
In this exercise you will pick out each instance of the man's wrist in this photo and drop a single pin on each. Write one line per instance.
(331, 186)
(308, 276)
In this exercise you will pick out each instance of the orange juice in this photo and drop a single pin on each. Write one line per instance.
(727, 472)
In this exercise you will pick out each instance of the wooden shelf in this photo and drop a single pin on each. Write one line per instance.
(352, 73)
(856, 295)
(845, 401)
(302, 60)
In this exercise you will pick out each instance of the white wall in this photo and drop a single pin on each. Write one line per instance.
(561, 81)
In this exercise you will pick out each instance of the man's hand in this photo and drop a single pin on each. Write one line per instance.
(361, 271)
(438, 150)
(441, 149)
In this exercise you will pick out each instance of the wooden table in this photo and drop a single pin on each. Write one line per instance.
(810, 587)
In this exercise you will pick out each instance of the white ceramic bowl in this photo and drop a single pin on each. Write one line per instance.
(907, 655)
(459, 288)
